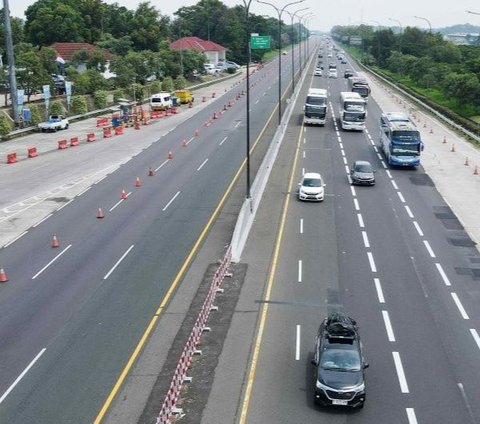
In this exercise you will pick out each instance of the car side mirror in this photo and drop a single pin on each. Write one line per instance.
(314, 362)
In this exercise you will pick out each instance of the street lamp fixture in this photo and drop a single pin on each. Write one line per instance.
(473, 13)
(279, 13)
(427, 21)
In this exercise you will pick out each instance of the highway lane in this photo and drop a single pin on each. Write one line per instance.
(88, 306)
(387, 278)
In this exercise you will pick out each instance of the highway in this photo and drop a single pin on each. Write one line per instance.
(393, 256)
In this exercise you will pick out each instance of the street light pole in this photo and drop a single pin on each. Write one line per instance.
(292, 15)
(279, 13)
(427, 21)
(306, 18)
(12, 80)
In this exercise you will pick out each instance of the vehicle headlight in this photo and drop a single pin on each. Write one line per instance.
(322, 386)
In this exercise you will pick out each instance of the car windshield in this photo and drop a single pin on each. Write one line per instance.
(363, 167)
(340, 360)
(312, 182)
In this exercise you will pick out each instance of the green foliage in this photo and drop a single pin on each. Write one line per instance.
(167, 84)
(100, 99)
(135, 92)
(57, 108)
(5, 124)
(118, 94)
(79, 105)
(36, 113)
(180, 82)
(155, 87)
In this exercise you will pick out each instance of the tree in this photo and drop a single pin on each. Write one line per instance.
(30, 73)
(465, 88)
(147, 27)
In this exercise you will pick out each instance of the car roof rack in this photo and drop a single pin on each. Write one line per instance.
(340, 326)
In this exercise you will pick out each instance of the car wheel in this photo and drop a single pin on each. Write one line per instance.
(66, 127)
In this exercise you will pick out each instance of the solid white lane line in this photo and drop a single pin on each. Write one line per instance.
(170, 202)
(409, 211)
(400, 195)
(202, 165)
(419, 230)
(83, 191)
(15, 239)
(65, 204)
(360, 220)
(475, 336)
(429, 248)
(460, 307)
(118, 262)
(357, 206)
(372, 262)
(297, 344)
(299, 270)
(442, 274)
(161, 165)
(412, 419)
(30, 365)
(42, 220)
(352, 189)
(51, 262)
(394, 184)
(388, 326)
(366, 242)
(400, 373)
(389, 173)
(378, 287)
(301, 225)
(223, 140)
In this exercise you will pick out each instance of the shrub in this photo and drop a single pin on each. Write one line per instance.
(5, 124)
(79, 105)
(57, 108)
(180, 82)
(118, 94)
(167, 84)
(100, 99)
(36, 113)
(155, 87)
(231, 70)
(135, 91)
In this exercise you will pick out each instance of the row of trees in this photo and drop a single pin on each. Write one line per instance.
(424, 59)
(138, 39)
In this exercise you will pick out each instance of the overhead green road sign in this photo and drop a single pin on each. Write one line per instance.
(260, 42)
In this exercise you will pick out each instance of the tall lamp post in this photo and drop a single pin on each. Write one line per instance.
(303, 20)
(427, 21)
(292, 15)
(279, 13)
(12, 80)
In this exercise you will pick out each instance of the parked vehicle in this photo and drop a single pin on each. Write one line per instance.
(210, 69)
(184, 96)
(54, 123)
(161, 101)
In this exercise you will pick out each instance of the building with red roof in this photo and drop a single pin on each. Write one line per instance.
(214, 52)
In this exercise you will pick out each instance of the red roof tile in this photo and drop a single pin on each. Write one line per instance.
(66, 50)
(196, 43)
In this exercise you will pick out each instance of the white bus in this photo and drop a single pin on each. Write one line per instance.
(359, 84)
(352, 111)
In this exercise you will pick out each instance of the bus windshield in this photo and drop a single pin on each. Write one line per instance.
(316, 101)
(405, 149)
(354, 116)
(406, 136)
(354, 106)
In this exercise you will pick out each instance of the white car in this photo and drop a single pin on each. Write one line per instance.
(211, 69)
(332, 73)
(317, 72)
(311, 187)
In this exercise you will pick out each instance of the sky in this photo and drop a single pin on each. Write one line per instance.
(327, 13)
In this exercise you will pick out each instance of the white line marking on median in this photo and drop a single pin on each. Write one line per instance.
(409, 211)
(354, 193)
(297, 344)
(118, 262)
(366, 242)
(170, 202)
(384, 165)
(223, 140)
(301, 225)
(460, 306)
(345, 161)
(442, 274)
(372, 262)
(161, 165)
(419, 230)
(15, 239)
(202, 165)
(388, 326)
(394, 184)
(475, 336)
(378, 287)
(65, 204)
(51, 262)
(42, 220)
(299, 270)
(412, 419)
(429, 248)
(360, 220)
(400, 195)
(400, 373)
(347, 170)
(389, 173)
(30, 365)
(357, 206)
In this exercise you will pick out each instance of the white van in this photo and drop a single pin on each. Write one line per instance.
(161, 101)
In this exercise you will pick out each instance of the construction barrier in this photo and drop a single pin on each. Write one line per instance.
(11, 157)
(101, 122)
(156, 114)
(90, 137)
(107, 132)
(118, 130)
(62, 144)
(32, 152)
(74, 141)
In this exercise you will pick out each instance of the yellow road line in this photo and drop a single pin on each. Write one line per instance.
(173, 286)
(271, 276)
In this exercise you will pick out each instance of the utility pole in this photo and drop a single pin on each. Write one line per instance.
(10, 59)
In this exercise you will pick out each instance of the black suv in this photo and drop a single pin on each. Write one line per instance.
(348, 73)
(338, 363)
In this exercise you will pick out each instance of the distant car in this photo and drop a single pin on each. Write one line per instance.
(211, 69)
(362, 173)
(311, 187)
(284, 52)
(339, 363)
(344, 61)
(348, 73)
(317, 72)
(332, 73)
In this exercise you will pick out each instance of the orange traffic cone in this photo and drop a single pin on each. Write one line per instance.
(100, 213)
(150, 172)
(3, 276)
(197, 132)
(453, 148)
(475, 172)
(170, 155)
(466, 161)
(55, 242)
(137, 182)
(123, 195)
(444, 139)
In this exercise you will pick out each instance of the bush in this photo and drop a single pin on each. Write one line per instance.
(5, 124)
(136, 92)
(57, 108)
(231, 70)
(118, 94)
(100, 99)
(167, 84)
(155, 87)
(180, 82)
(36, 113)
(79, 105)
